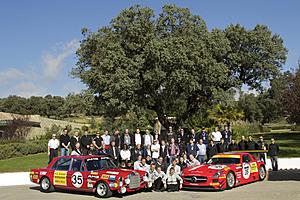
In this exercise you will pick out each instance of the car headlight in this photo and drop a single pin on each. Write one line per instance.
(127, 181)
(216, 175)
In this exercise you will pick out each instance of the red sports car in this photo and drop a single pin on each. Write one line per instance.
(224, 171)
(96, 174)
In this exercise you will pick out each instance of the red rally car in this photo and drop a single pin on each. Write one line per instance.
(97, 174)
(224, 171)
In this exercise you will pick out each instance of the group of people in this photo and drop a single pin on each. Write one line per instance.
(163, 156)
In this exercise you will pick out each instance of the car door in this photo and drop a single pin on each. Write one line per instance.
(77, 175)
(246, 168)
(61, 168)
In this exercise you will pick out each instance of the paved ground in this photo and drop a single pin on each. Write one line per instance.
(267, 190)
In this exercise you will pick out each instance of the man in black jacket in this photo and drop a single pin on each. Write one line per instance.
(233, 146)
(211, 149)
(273, 153)
(85, 143)
(242, 144)
(222, 147)
(226, 134)
(251, 145)
(114, 151)
(74, 139)
(127, 139)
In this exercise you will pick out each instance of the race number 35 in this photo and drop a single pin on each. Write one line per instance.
(77, 179)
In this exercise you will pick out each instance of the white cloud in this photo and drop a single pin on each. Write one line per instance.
(27, 89)
(53, 62)
(11, 74)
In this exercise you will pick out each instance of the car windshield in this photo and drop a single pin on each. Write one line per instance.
(93, 164)
(215, 161)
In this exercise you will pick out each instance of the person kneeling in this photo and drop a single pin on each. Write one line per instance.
(172, 181)
(158, 182)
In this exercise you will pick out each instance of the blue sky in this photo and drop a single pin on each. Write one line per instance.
(38, 39)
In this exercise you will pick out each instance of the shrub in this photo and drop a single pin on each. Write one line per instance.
(295, 128)
(20, 149)
(244, 128)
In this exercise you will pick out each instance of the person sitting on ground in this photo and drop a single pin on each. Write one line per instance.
(125, 153)
(151, 175)
(136, 164)
(193, 161)
(158, 182)
(143, 165)
(92, 150)
(76, 151)
(162, 164)
(172, 181)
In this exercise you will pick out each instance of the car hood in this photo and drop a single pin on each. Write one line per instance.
(119, 172)
(205, 169)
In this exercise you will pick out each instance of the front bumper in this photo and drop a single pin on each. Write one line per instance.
(209, 184)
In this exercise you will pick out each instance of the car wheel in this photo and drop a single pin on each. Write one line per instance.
(230, 180)
(45, 185)
(262, 173)
(102, 190)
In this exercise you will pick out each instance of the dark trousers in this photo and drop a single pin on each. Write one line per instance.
(53, 154)
(157, 185)
(172, 187)
(274, 161)
(262, 157)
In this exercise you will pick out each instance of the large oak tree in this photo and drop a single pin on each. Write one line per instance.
(171, 63)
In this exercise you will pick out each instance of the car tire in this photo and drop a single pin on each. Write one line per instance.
(45, 185)
(262, 173)
(102, 190)
(230, 180)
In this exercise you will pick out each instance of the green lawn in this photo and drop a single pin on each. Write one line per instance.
(25, 163)
(289, 142)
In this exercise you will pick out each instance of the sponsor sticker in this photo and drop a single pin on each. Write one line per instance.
(217, 167)
(104, 176)
(43, 173)
(112, 178)
(109, 172)
(60, 178)
(253, 167)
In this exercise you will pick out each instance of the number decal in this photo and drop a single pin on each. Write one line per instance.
(77, 179)
(246, 170)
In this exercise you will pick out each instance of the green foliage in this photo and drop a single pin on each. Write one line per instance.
(171, 63)
(54, 129)
(295, 128)
(19, 149)
(245, 128)
(222, 115)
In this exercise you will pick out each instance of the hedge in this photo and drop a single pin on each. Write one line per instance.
(20, 149)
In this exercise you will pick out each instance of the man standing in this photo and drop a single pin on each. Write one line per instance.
(262, 146)
(106, 139)
(155, 147)
(242, 144)
(64, 143)
(211, 150)
(204, 136)
(251, 145)
(273, 153)
(163, 150)
(194, 136)
(216, 136)
(114, 151)
(138, 138)
(74, 140)
(233, 146)
(173, 150)
(116, 138)
(222, 147)
(148, 138)
(170, 135)
(85, 143)
(97, 141)
(127, 139)
(226, 135)
(192, 148)
(53, 145)
(201, 151)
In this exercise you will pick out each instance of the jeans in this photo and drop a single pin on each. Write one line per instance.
(201, 158)
(64, 152)
(274, 161)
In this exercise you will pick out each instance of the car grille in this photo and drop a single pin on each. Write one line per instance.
(134, 181)
(195, 179)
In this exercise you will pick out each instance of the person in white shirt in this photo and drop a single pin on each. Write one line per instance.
(136, 164)
(201, 152)
(138, 137)
(76, 151)
(125, 153)
(155, 147)
(216, 136)
(148, 138)
(144, 166)
(106, 138)
(175, 167)
(53, 145)
(172, 181)
(193, 161)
